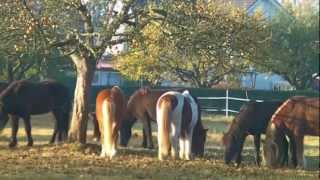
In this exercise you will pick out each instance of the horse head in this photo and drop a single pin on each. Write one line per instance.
(275, 147)
(125, 129)
(198, 141)
(233, 140)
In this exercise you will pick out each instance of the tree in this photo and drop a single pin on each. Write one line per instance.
(81, 30)
(294, 51)
(199, 43)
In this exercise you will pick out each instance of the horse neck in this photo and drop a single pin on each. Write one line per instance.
(235, 129)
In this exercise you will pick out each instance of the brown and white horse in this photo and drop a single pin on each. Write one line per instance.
(296, 117)
(110, 108)
(177, 115)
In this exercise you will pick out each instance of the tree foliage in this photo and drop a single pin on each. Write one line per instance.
(199, 43)
(294, 51)
(20, 43)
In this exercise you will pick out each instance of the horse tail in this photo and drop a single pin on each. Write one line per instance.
(165, 110)
(108, 113)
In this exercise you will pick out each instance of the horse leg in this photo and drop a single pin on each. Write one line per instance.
(257, 146)
(293, 151)
(59, 128)
(174, 142)
(148, 131)
(114, 140)
(238, 155)
(96, 131)
(188, 146)
(14, 131)
(144, 138)
(27, 126)
(299, 153)
(54, 134)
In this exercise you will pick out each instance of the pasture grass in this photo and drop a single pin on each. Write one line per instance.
(73, 161)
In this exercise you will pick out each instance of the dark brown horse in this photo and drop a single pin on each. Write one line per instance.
(252, 119)
(110, 109)
(296, 117)
(23, 99)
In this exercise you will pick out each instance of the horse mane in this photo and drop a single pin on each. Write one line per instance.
(234, 128)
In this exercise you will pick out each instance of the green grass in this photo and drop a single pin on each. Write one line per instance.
(71, 161)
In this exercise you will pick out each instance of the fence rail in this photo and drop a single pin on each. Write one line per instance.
(226, 98)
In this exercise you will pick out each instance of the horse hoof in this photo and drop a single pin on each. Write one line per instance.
(150, 147)
(30, 144)
(12, 144)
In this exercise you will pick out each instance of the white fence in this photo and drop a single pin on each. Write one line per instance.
(227, 99)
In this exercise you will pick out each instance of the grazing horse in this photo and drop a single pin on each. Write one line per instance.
(23, 99)
(252, 119)
(296, 117)
(110, 108)
(141, 105)
(177, 116)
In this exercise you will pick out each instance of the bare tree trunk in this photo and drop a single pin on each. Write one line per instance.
(85, 70)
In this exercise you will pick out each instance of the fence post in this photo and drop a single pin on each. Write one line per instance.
(227, 103)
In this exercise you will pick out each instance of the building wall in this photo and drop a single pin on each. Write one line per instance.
(107, 78)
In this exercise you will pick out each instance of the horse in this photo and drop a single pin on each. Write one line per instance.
(141, 105)
(23, 99)
(177, 116)
(252, 119)
(110, 108)
(297, 117)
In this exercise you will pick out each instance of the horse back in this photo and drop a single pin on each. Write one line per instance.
(111, 96)
(23, 97)
(299, 114)
(143, 102)
(253, 117)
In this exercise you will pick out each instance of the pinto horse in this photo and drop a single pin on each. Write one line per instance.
(177, 116)
(252, 119)
(110, 108)
(296, 117)
(23, 99)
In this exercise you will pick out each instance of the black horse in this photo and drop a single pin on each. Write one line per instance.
(23, 99)
(253, 120)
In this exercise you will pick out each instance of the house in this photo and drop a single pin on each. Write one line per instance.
(269, 9)
(106, 74)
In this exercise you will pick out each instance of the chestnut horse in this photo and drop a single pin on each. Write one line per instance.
(110, 108)
(23, 99)
(177, 116)
(296, 117)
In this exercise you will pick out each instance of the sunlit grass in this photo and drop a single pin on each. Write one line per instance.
(72, 161)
